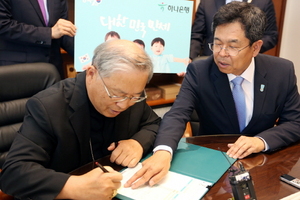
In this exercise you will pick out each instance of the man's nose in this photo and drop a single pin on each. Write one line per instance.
(223, 52)
(125, 104)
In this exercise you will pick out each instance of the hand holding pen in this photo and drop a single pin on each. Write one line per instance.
(106, 171)
(101, 167)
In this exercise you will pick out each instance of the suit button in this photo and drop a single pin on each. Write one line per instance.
(40, 42)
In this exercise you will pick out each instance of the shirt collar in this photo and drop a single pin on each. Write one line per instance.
(228, 1)
(248, 74)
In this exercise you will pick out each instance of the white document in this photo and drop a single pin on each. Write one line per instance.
(173, 187)
(295, 196)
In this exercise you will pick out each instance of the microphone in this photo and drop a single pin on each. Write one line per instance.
(241, 182)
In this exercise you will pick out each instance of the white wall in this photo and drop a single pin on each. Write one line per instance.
(290, 42)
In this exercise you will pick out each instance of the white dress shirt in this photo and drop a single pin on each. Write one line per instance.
(247, 85)
(228, 1)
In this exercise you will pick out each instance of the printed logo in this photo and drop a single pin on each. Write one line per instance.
(162, 6)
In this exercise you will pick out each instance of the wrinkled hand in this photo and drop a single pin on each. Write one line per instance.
(245, 146)
(93, 185)
(128, 152)
(63, 27)
(154, 170)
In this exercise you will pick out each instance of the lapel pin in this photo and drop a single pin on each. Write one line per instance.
(262, 87)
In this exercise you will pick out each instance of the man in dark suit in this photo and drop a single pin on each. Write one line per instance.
(25, 36)
(80, 120)
(202, 34)
(268, 93)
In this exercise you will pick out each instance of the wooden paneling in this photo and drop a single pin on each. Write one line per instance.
(279, 6)
(71, 10)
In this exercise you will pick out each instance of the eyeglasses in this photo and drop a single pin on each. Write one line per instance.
(120, 99)
(232, 51)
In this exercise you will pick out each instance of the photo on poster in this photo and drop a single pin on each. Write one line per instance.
(161, 28)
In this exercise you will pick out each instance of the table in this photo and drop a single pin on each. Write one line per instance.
(265, 169)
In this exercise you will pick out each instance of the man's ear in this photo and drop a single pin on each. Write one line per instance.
(90, 67)
(256, 47)
(91, 72)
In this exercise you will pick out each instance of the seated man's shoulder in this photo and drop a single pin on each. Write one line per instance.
(59, 92)
(273, 61)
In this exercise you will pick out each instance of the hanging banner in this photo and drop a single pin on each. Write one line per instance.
(163, 29)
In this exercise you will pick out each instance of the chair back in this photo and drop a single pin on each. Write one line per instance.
(17, 84)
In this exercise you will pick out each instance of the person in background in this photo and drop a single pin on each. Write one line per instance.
(161, 61)
(80, 120)
(33, 31)
(202, 28)
(111, 35)
(140, 43)
(264, 108)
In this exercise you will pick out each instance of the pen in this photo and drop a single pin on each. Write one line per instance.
(101, 167)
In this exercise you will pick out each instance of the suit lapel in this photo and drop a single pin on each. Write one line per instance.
(260, 92)
(37, 9)
(221, 83)
(220, 80)
(50, 6)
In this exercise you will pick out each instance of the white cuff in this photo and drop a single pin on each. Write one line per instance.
(163, 147)
(266, 145)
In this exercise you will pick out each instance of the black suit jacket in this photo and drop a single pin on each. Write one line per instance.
(54, 138)
(25, 38)
(202, 34)
(207, 90)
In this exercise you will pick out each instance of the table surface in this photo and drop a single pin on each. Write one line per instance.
(265, 169)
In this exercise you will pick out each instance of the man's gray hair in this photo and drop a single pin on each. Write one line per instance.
(121, 55)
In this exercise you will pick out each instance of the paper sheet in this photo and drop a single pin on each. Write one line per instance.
(174, 186)
(295, 196)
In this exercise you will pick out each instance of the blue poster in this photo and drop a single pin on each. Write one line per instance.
(162, 28)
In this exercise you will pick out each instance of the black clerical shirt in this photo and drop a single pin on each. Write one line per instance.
(102, 133)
